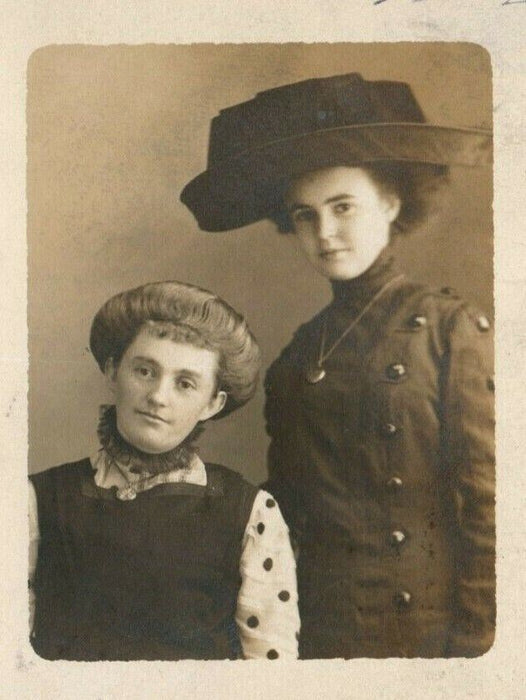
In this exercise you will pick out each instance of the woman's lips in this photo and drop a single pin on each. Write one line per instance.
(328, 254)
(152, 416)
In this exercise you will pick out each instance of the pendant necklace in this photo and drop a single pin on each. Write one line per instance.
(129, 491)
(315, 374)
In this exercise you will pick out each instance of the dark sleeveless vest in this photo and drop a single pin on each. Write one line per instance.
(152, 578)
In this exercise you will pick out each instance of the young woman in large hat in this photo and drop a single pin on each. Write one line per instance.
(380, 410)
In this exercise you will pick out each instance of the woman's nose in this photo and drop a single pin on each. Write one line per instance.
(327, 226)
(158, 393)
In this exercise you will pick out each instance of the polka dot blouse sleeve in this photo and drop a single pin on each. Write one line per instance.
(267, 608)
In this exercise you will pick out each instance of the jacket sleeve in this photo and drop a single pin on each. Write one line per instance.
(468, 443)
(281, 483)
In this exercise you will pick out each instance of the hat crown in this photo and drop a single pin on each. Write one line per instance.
(306, 107)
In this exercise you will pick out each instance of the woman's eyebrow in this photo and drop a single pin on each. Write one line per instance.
(295, 206)
(338, 197)
(192, 373)
(187, 370)
(330, 200)
(145, 358)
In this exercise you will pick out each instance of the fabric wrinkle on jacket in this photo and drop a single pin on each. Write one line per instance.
(385, 472)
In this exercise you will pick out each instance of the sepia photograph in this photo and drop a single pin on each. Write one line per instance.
(260, 332)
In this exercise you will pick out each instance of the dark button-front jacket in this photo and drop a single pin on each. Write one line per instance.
(385, 472)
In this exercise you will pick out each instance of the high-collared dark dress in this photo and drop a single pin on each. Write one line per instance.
(385, 472)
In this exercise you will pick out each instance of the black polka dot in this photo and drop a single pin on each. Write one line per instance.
(270, 503)
(272, 654)
(284, 596)
(261, 528)
(268, 564)
(252, 621)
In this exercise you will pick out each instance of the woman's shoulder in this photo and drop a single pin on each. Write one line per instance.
(449, 319)
(414, 300)
(61, 470)
(303, 337)
(443, 303)
(219, 475)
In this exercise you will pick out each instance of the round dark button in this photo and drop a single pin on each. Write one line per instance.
(284, 596)
(397, 537)
(268, 564)
(270, 503)
(261, 528)
(389, 429)
(394, 483)
(395, 371)
(272, 654)
(402, 599)
(417, 321)
(252, 621)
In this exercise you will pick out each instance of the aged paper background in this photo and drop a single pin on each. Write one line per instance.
(498, 26)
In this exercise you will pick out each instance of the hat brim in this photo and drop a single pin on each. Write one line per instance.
(246, 188)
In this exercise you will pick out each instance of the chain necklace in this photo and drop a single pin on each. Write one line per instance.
(315, 374)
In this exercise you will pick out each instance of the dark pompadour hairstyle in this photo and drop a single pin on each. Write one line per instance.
(185, 313)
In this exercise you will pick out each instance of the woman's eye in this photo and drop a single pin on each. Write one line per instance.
(343, 207)
(303, 215)
(144, 371)
(185, 384)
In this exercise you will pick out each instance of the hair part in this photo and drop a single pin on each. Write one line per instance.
(417, 185)
(183, 313)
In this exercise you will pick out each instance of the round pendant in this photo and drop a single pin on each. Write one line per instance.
(314, 375)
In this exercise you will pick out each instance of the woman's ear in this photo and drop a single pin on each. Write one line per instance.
(110, 373)
(392, 207)
(217, 403)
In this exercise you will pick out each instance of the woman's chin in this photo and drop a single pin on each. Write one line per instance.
(150, 448)
(342, 275)
(346, 272)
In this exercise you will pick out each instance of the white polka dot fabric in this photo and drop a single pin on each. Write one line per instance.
(267, 610)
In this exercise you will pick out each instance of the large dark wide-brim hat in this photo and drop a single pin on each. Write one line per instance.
(256, 146)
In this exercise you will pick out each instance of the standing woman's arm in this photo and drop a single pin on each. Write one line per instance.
(468, 442)
(282, 480)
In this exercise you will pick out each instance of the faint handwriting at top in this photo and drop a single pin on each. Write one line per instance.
(378, 2)
(505, 2)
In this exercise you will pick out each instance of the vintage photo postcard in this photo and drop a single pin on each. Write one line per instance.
(270, 322)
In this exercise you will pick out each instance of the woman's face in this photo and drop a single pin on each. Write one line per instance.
(162, 389)
(342, 219)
